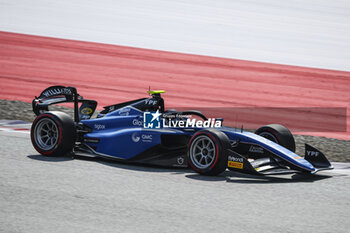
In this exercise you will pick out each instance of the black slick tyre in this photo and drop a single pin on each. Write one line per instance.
(278, 134)
(207, 152)
(53, 134)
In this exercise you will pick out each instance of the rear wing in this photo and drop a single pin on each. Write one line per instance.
(60, 94)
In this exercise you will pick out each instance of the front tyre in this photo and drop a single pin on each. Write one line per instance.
(278, 134)
(53, 133)
(207, 152)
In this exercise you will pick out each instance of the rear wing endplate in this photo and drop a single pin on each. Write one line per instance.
(61, 94)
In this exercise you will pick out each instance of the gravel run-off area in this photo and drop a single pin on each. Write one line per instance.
(336, 150)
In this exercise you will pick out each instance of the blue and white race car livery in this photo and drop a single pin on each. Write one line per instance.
(142, 131)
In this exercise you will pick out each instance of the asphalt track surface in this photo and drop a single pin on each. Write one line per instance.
(43, 194)
(111, 74)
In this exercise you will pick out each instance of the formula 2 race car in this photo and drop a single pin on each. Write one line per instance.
(119, 132)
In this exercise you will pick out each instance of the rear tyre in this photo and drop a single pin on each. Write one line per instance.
(207, 152)
(53, 134)
(278, 134)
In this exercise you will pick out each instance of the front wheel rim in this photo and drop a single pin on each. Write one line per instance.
(202, 152)
(46, 134)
